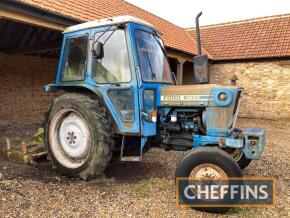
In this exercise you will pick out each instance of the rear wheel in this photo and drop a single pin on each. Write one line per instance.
(207, 163)
(78, 136)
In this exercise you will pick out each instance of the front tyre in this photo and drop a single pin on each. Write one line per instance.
(78, 136)
(207, 163)
(238, 154)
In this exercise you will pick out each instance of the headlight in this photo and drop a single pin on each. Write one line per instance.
(223, 96)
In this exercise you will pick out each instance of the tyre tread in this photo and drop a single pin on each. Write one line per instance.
(101, 123)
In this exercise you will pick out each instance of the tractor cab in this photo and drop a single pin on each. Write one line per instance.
(123, 60)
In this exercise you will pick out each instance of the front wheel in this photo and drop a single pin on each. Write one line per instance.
(207, 163)
(239, 156)
(78, 136)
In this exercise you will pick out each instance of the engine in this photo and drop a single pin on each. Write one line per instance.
(177, 128)
(196, 110)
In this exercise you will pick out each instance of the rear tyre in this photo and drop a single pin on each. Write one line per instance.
(208, 162)
(78, 136)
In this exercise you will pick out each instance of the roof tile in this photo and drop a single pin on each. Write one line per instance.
(255, 38)
(86, 10)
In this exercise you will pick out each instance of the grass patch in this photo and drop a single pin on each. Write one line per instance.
(142, 188)
(165, 184)
(244, 212)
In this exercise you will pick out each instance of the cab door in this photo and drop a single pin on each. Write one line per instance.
(147, 91)
(113, 76)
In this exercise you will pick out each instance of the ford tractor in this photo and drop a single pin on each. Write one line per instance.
(118, 98)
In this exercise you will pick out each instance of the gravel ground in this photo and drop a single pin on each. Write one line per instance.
(134, 189)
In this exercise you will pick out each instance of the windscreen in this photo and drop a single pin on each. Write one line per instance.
(153, 63)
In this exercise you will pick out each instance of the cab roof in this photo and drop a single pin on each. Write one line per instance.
(109, 22)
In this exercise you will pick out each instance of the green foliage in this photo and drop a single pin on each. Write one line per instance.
(38, 138)
(165, 183)
(142, 188)
(251, 213)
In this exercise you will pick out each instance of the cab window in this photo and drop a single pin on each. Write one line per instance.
(114, 66)
(75, 59)
(153, 62)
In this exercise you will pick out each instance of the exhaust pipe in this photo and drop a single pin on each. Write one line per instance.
(198, 33)
(200, 62)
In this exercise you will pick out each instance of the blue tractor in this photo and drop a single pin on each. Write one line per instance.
(119, 98)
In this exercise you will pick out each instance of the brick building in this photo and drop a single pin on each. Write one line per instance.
(257, 52)
(30, 38)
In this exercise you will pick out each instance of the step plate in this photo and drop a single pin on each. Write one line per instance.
(131, 158)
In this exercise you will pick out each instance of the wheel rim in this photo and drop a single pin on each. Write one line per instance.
(207, 170)
(70, 138)
(236, 153)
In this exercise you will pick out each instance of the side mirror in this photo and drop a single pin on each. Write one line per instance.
(201, 69)
(98, 50)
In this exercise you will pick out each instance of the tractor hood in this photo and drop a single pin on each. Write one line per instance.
(198, 95)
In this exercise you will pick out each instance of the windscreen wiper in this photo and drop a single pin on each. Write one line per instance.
(159, 43)
(153, 75)
(107, 30)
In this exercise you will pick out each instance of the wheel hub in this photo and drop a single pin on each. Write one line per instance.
(207, 171)
(70, 138)
(73, 135)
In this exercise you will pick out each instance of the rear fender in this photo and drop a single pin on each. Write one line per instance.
(86, 89)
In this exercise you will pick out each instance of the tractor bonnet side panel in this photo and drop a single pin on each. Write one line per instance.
(186, 95)
(219, 115)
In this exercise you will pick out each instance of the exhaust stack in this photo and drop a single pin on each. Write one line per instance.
(198, 33)
(200, 62)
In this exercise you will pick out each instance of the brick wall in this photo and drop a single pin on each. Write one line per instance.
(266, 95)
(266, 84)
(22, 79)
